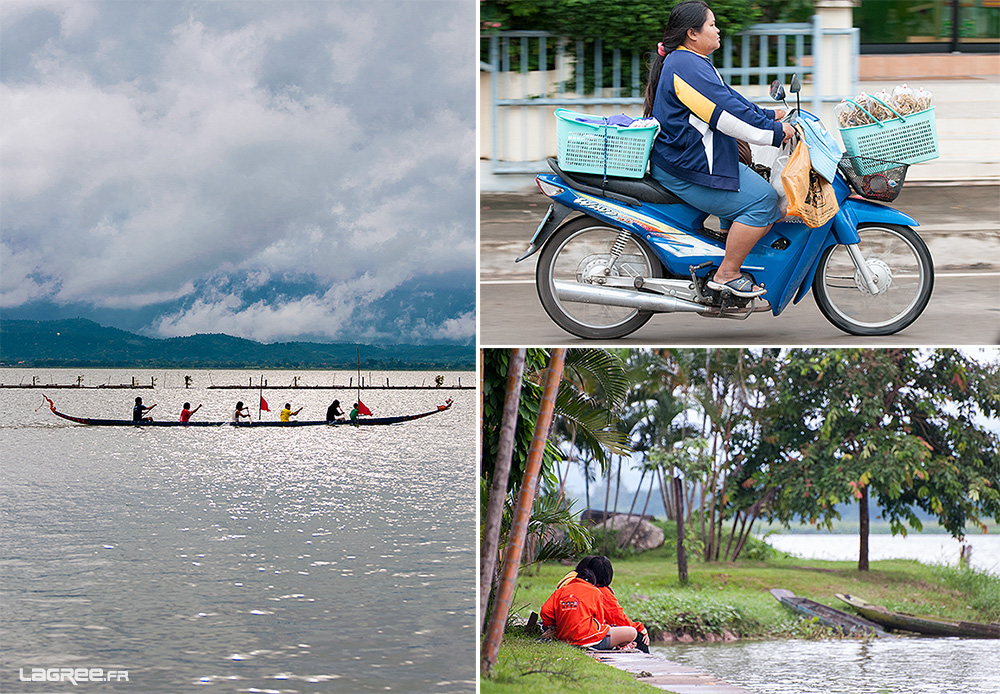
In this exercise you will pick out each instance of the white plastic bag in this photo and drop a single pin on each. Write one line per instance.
(784, 151)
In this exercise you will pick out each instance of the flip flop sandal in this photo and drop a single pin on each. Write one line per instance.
(742, 287)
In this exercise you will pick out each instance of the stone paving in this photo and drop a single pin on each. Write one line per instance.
(665, 674)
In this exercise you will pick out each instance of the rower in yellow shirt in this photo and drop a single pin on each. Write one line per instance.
(287, 412)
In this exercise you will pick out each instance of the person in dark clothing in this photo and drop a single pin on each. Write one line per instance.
(334, 412)
(139, 411)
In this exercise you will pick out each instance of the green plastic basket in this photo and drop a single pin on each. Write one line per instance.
(600, 148)
(901, 140)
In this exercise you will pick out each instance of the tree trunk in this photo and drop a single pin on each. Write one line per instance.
(569, 464)
(522, 513)
(732, 532)
(744, 535)
(701, 518)
(720, 521)
(607, 500)
(682, 562)
(638, 491)
(618, 483)
(863, 523)
(667, 499)
(501, 472)
(607, 492)
(635, 529)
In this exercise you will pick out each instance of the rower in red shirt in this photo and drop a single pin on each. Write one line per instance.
(187, 411)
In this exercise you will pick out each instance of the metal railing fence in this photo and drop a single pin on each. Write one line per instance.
(531, 73)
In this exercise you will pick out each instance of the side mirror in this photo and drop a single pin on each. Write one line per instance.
(777, 90)
(795, 87)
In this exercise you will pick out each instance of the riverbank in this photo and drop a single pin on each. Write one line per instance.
(527, 664)
(731, 599)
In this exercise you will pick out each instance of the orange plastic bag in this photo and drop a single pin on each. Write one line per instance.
(810, 196)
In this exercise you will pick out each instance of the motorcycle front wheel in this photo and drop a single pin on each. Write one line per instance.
(901, 264)
(581, 251)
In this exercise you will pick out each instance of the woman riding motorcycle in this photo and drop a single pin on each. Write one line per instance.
(695, 155)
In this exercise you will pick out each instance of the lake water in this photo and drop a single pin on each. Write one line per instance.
(238, 560)
(898, 666)
(908, 665)
(928, 548)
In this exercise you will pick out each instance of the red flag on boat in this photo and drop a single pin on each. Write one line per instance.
(263, 405)
(363, 409)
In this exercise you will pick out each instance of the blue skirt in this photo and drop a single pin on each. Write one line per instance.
(754, 204)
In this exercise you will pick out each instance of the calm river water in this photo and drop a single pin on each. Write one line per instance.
(907, 665)
(928, 548)
(229, 560)
(896, 666)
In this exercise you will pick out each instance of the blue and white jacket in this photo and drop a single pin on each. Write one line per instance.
(700, 119)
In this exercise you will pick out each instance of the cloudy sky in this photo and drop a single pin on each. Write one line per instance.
(272, 170)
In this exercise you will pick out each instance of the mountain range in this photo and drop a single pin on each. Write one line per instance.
(84, 343)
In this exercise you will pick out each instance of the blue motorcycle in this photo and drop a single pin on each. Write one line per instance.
(615, 251)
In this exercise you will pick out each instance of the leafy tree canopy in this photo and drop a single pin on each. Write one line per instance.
(910, 427)
(590, 399)
(633, 25)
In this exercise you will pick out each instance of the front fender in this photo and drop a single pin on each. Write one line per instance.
(864, 211)
(854, 212)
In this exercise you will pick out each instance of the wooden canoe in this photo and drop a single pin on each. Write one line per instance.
(361, 421)
(842, 621)
(920, 624)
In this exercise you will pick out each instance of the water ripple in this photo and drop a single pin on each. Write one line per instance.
(241, 559)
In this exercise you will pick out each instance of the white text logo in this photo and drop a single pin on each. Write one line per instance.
(73, 675)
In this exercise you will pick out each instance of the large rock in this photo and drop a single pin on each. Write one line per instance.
(646, 536)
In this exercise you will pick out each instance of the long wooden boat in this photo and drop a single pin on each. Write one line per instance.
(842, 621)
(920, 624)
(361, 421)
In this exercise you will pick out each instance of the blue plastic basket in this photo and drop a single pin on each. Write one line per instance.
(600, 148)
(901, 140)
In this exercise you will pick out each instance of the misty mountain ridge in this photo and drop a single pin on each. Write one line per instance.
(80, 342)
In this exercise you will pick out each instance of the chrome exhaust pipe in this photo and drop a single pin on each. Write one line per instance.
(609, 296)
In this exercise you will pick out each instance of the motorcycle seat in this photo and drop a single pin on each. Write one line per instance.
(646, 189)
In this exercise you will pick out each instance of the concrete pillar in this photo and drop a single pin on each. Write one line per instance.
(836, 55)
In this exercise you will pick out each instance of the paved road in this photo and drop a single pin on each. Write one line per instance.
(961, 226)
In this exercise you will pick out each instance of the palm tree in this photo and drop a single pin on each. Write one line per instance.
(588, 394)
(525, 500)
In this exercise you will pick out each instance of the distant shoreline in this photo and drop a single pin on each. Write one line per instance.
(451, 368)
(84, 344)
(874, 529)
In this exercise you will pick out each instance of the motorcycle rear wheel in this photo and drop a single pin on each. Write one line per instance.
(898, 257)
(578, 249)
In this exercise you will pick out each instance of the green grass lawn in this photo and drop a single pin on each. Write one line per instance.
(553, 667)
(728, 597)
(735, 596)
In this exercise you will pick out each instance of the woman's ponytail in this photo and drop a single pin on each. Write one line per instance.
(690, 14)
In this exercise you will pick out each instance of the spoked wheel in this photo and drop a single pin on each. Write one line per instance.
(902, 268)
(580, 252)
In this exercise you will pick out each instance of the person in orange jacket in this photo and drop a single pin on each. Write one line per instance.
(613, 612)
(614, 615)
(574, 613)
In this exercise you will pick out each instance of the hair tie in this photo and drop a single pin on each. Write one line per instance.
(661, 50)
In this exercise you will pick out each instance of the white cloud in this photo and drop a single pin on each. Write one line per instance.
(150, 146)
